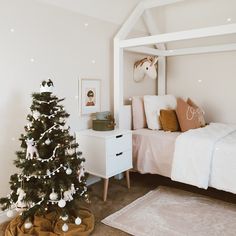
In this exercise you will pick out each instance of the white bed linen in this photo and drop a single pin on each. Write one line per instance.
(206, 156)
(223, 175)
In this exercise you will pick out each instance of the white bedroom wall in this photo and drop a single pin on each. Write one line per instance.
(38, 41)
(209, 79)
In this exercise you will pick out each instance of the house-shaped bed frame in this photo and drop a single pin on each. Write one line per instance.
(158, 40)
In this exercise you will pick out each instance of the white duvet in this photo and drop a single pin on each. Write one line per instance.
(206, 157)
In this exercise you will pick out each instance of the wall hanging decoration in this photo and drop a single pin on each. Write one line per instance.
(147, 67)
(89, 96)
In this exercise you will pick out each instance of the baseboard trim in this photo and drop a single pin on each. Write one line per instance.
(92, 180)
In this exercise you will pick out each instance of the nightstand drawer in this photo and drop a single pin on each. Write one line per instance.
(119, 143)
(119, 162)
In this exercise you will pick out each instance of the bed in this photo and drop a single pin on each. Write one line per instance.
(201, 157)
(171, 154)
(153, 151)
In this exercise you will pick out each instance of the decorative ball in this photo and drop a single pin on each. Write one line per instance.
(28, 225)
(48, 141)
(65, 218)
(10, 213)
(69, 171)
(53, 196)
(62, 203)
(36, 115)
(65, 227)
(70, 151)
(78, 221)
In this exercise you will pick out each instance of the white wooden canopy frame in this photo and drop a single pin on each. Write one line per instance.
(138, 45)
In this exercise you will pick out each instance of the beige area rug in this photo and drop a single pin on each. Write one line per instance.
(171, 212)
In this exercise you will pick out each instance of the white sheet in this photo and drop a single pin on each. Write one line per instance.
(223, 175)
(200, 153)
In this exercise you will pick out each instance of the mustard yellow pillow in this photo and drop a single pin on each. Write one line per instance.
(169, 120)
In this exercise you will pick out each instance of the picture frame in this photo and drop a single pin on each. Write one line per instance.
(89, 96)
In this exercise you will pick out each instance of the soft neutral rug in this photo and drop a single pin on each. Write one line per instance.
(171, 212)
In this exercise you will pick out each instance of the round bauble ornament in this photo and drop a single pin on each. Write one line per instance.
(69, 171)
(53, 196)
(48, 141)
(36, 114)
(62, 203)
(70, 151)
(28, 225)
(78, 221)
(10, 213)
(65, 218)
(65, 227)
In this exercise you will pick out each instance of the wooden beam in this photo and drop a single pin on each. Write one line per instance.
(130, 22)
(201, 50)
(118, 82)
(181, 35)
(146, 51)
(152, 27)
(153, 30)
(158, 3)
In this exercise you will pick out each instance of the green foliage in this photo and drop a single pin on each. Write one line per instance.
(52, 139)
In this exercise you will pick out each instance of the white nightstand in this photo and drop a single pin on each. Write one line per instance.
(107, 153)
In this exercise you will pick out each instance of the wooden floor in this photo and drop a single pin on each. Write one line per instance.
(119, 196)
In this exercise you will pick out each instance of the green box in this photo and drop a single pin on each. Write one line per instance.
(103, 125)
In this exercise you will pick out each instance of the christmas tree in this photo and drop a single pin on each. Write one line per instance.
(52, 175)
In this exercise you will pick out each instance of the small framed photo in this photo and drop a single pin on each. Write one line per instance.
(89, 96)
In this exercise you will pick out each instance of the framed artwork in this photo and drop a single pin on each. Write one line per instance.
(89, 96)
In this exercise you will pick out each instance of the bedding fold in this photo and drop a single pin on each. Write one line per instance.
(194, 155)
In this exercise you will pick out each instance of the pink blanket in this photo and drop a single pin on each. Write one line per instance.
(153, 151)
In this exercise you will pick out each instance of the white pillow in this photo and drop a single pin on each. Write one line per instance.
(153, 105)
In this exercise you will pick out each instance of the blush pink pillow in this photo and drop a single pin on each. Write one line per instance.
(138, 112)
(187, 116)
(200, 112)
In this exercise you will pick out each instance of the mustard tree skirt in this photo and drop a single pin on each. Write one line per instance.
(51, 225)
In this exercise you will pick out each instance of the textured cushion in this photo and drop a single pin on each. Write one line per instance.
(169, 120)
(153, 105)
(200, 112)
(138, 112)
(187, 116)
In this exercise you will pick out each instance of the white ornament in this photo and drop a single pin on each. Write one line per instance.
(65, 227)
(69, 171)
(28, 225)
(21, 194)
(48, 141)
(70, 151)
(46, 87)
(31, 149)
(10, 213)
(81, 173)
(48, 172)
(65, 218)
(61, 120)
(73, 189)
(68, 195)
(53, 196)
(62, 203)
(36, 114)
(78, 221)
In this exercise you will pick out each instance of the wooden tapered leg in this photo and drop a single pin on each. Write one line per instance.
(106, 182)
(127, 178)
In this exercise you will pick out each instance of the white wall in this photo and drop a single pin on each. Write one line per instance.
(131, 88)
(62, 48)
(216, 93)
